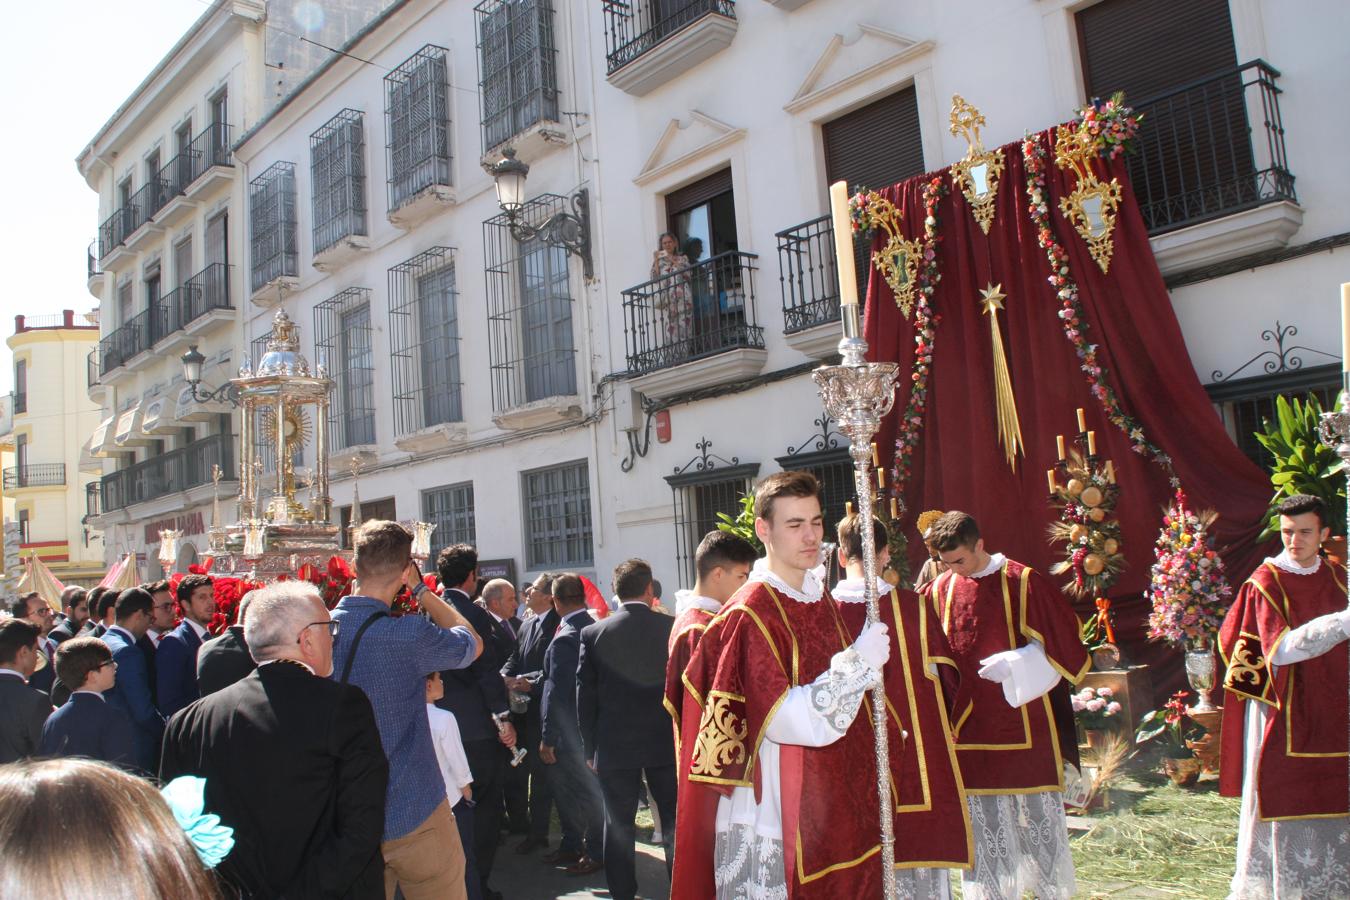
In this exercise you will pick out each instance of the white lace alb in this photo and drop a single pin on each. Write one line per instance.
(850, 590)
(1021, 846)
(996, 561)
(812, 588)
(1286, 562)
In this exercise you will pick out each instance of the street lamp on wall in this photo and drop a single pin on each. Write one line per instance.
(193, 360)
(570, 231)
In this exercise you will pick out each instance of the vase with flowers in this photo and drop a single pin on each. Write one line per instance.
(1173, 731)
(1096, 711)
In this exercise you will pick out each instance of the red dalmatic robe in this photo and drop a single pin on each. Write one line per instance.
(761, 645)
(1302, 768)
(1004, 749)
(684, 637)
(932, 821)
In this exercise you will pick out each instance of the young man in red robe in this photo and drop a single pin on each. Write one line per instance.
(1284, 722)
(1013, 636)
(722, 563)
(932, 823)
(776, 782)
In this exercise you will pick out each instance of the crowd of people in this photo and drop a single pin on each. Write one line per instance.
(359, 753)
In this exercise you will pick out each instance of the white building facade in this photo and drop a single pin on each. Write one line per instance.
(559, 421)
(165, 264)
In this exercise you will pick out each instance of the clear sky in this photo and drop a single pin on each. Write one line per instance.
(69, 64)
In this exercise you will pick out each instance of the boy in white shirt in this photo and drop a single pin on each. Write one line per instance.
(454, 767)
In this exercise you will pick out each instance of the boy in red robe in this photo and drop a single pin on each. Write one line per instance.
(722, 562)
(1013, 636)
(932, 823)
(776, 782)
(1284, 734)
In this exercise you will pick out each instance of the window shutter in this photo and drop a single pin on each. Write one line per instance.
(701, 191)
(874, 147)
(1195, 158)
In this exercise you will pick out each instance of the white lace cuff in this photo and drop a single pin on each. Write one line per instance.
(1312, 639)
(818, 714)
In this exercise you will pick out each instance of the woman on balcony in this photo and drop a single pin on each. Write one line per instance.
(672, 298)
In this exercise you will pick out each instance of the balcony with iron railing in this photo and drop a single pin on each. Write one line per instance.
(649, 42)
(35, 475)
(18, 401)
(94, 274)
(93, 500)
(92, 376)
(187, 173)
(704, 313)
(1211, 168)
(181, 313)
(169, 473)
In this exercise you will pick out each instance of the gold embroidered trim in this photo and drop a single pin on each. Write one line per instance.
(721, 735)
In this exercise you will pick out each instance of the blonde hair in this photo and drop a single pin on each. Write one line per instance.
(46, 805)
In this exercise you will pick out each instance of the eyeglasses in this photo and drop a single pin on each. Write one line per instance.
(168, 605)
(331, 625)
(111, 662)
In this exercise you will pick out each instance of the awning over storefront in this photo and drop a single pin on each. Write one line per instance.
(158, 416)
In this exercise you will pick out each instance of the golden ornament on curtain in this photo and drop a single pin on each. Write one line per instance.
(977, 173)
(1091, 207)
(1005, 404)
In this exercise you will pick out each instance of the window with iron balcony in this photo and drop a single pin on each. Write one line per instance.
(272, 226)
(417, 131)
(338, 181)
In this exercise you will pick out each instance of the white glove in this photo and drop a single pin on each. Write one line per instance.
(996, 668)
(874, 644)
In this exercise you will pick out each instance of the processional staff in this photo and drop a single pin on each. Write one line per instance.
(857, 394)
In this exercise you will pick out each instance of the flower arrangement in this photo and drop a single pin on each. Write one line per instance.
(1071, 314)
(1095, 708)
(1171, 727)
(1188, 588)
(1113, 124)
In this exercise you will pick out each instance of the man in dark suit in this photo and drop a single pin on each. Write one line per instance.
(524, 673)
(292, 760)
(75, 604)
(625, 729)
(86, 725)
(498, 597)
(34, 610)
(477, 697)
(176, 656)
(224, 660)
(574, 784)
(102, 612)
(23, 709)
(131, 694)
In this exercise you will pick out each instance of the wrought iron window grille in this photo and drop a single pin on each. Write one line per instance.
(272, 225)
(825, 455)
(557, 511)
(450, 509)
(337, 153)
(1281, 358)
(531, 346)
(344, 340)
(517, 67)
(417, 114)
(424, 341)
(706, 485)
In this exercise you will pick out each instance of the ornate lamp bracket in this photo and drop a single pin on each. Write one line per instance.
(570, 231)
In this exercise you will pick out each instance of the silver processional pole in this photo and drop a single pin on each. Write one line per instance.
(858, 394)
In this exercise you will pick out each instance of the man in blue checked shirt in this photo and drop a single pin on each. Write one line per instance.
(389, 658)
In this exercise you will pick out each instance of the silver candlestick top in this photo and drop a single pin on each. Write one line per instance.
(858, 394)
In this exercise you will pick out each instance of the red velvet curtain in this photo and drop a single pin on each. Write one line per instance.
(959, 463)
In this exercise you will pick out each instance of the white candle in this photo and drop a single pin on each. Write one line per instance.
(1059, 445)
(843, 244)
(1050, 480)
(1092, 443)
(1345, 327)
(1082, 422)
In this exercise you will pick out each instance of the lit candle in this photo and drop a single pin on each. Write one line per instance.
(895, 510)
(881, 478)
(1345, 327)
(843, 244)
(1092, 443)
(1082, 422)
(1059, 445)
(1050, 480)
